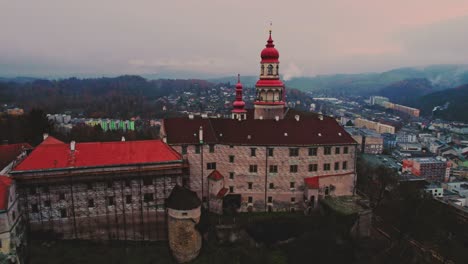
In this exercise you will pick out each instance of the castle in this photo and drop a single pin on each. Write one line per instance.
(269, 158)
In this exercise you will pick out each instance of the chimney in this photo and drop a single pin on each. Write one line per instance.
(72, 145)
(277, 118)
(45, 136)
(200, 134)
(297, 118)
(320, 116)
(190, 116)
(123, 138)
(261, 118)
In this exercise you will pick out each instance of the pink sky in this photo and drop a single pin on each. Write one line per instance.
(212, 37)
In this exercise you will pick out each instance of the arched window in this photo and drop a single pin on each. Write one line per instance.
(270, 69)
(277, 69)
(327, 190)
(262, 70)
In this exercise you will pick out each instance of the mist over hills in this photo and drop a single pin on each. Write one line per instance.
(440, 77)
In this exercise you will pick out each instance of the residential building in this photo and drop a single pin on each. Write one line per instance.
(429, 168)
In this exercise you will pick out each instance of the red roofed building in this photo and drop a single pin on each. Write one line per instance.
(96, 190)
(264, 156)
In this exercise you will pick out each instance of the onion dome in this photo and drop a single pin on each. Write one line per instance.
(238, 104)
(269, 53)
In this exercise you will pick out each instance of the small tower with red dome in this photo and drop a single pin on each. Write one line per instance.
(270, 92)
(238, 111)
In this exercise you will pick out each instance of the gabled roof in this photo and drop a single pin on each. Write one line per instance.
(215, 175)
(55, 155)
(309, 130)
(10, 152)
(5, 183)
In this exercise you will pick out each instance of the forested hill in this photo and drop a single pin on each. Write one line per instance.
(123, 96)
(451, 104)
(407, 92)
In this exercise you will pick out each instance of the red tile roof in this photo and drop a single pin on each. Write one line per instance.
(309, 130)
(215, 175)
(222, 192)
(96, 154)
(8, 153)
(5, 183)
(312, 182)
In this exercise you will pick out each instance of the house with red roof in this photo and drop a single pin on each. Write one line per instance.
(99, 190)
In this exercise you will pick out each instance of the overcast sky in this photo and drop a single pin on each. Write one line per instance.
(216, 37)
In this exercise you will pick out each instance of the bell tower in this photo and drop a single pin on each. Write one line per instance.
(270, 93)
(238, 111)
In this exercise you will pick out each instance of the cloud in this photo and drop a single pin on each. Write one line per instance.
(292, 71)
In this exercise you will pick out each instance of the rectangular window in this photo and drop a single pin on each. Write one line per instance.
(337, 165)
(109, 184)
(250, 199)
(147, 181)
(197, 149)
(313, 167)
(231, 158)
(231, 146)
(231, 189)
(250, 185)
(148, 197)
(270, 152)
(211, 166)
(32, 190)
(292, 185)
(326, 166)
(61, 196)
(293, 168)
(273, 168)
(345, 150)
(128, 199)
(271, 185)
(89, 186)
(293, 199)
(128, 183)
(345, 165)
(270, 199)
(312, 151)
(47, 203)
(327, 150)
(34, 208)
(212, 148)
(231, 175)
(293, 152)
(184, 149)
(45, 189)
(337, 150)
(110, 200)
(253, 152)
(91, 203)
(253, 168)
(63, 213)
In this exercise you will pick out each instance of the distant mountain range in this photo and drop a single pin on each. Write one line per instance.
(440, 77)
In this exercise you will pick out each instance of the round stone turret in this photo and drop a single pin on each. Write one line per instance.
(183, 212)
